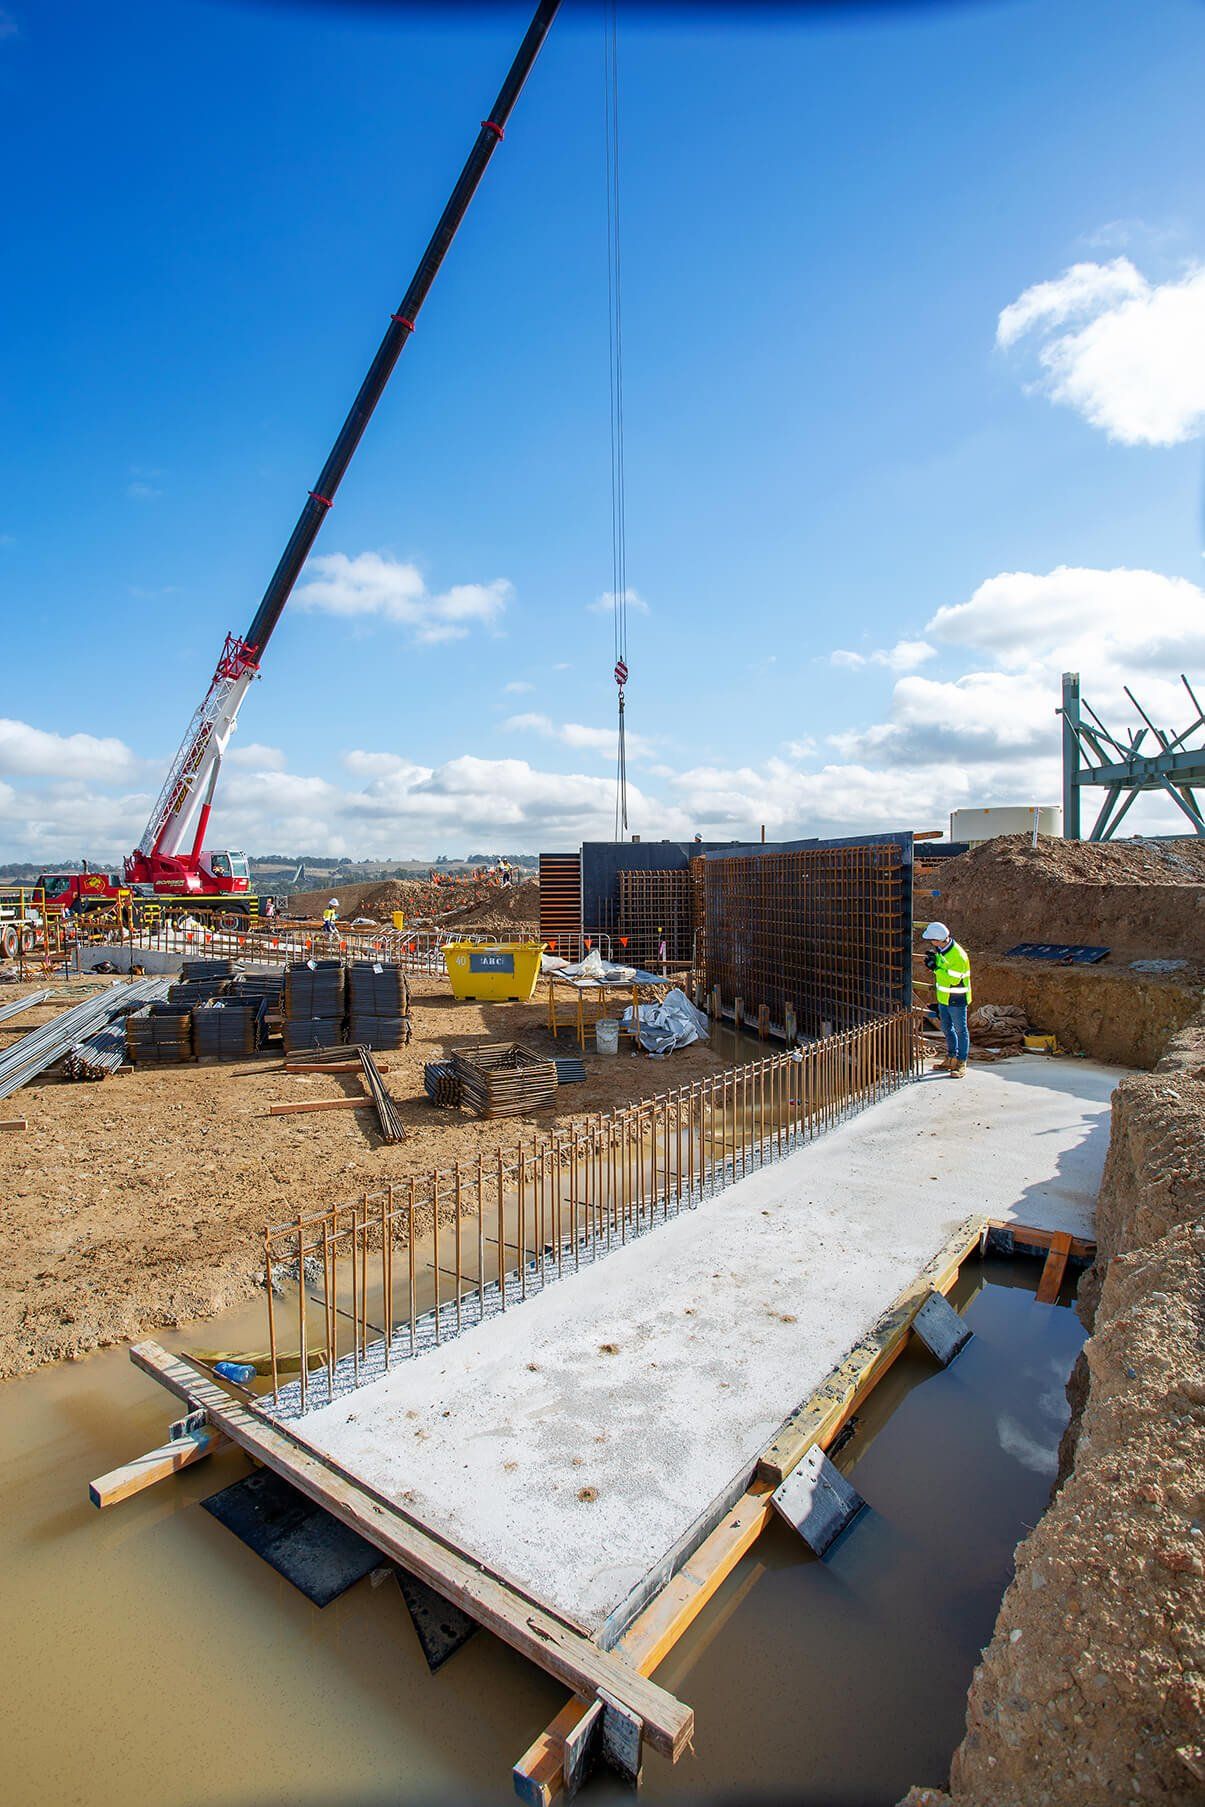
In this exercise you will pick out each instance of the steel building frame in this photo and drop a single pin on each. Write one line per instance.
(1093, 757)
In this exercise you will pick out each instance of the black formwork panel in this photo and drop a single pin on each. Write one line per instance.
(603, 861)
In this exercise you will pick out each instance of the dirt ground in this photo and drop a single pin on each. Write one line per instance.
(140, 1200)
(1107, 1012)
(1093, 1687)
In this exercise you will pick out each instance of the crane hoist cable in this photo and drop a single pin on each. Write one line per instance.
(619, 553)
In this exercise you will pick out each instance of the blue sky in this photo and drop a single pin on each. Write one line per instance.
(915, 389)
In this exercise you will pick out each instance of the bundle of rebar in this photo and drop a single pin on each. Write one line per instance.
(227, 1028)
(159, 1034)
(392, 1127)
(570, 1070)
(505, 1079)
(19, 1004)
(302, 1032)
(42, 1047)
(324, 1058)
(442, 1083)
(102, 1054)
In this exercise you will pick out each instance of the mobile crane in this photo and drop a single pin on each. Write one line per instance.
(170, 861)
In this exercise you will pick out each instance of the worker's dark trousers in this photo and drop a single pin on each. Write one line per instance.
(954, 1027)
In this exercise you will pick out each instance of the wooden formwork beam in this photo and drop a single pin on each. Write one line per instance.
(537, 1633)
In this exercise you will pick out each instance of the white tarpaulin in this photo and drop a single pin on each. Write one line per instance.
(673, 1023)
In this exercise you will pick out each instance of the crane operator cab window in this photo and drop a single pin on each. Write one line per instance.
(229, 865)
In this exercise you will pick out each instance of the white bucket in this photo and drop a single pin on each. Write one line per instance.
(606, 1035)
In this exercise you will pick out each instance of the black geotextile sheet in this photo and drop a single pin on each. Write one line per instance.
(314, 988)
(227, 1028)
(374, 989)
(379, 1031)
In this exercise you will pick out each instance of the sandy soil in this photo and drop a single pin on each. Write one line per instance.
(1141, 900)
(426, 903)
(1106, 1011)
(138, 1201)
(1093, 1687)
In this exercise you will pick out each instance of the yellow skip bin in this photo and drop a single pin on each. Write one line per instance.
(493, 972)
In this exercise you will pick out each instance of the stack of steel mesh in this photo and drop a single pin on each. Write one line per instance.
(378, 1001)
(159, 1035)
(228, 1028)
(313, 1004)
(442, 1082)
(206, 969)
(187, 992)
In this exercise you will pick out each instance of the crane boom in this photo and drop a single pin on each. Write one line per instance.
(161, 857)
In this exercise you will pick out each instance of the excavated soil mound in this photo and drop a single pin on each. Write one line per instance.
(462, 900)
(1140, 899)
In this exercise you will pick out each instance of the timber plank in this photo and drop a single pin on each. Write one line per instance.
(132, 1477)
(321, 1104)
(534, 1631)
(1054, 1268)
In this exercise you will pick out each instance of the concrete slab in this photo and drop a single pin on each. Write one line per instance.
(570, 1445)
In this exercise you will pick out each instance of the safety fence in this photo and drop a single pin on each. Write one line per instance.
(279, 943)
(411, 1265)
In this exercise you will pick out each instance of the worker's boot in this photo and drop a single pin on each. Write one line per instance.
(958, 1069)
(944, 1065)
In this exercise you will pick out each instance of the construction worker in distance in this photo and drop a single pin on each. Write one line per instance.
(951, 969)
(330, 918)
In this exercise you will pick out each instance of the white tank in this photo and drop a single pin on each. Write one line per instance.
(1006, 818)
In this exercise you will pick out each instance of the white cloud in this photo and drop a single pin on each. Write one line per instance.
(1127, 354)
(256, 758)
(578, 735)
(604, 604)
(905, 655)
(518, 687)
(34, 751)
(374, 584)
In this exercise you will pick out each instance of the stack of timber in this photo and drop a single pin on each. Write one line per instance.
(313, 1005)
(228, 1028)
(378, 1002)
(505, 1079)
(159, 1035)
(442, 1083)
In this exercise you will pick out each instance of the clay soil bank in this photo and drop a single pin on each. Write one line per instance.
(140, 1201)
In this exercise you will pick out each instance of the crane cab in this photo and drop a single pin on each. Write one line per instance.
(225, 871)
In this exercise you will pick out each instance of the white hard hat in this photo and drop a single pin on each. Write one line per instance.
(334, 900)
(936, 931)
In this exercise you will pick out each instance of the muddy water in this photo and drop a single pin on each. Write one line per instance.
(149, 1656)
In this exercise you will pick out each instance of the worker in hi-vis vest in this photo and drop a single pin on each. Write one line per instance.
(951, 969)
(330, 916)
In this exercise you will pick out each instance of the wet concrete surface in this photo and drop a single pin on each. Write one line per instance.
(149, 1656)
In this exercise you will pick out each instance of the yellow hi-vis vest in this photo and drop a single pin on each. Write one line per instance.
(952, 975)
(329, 915)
